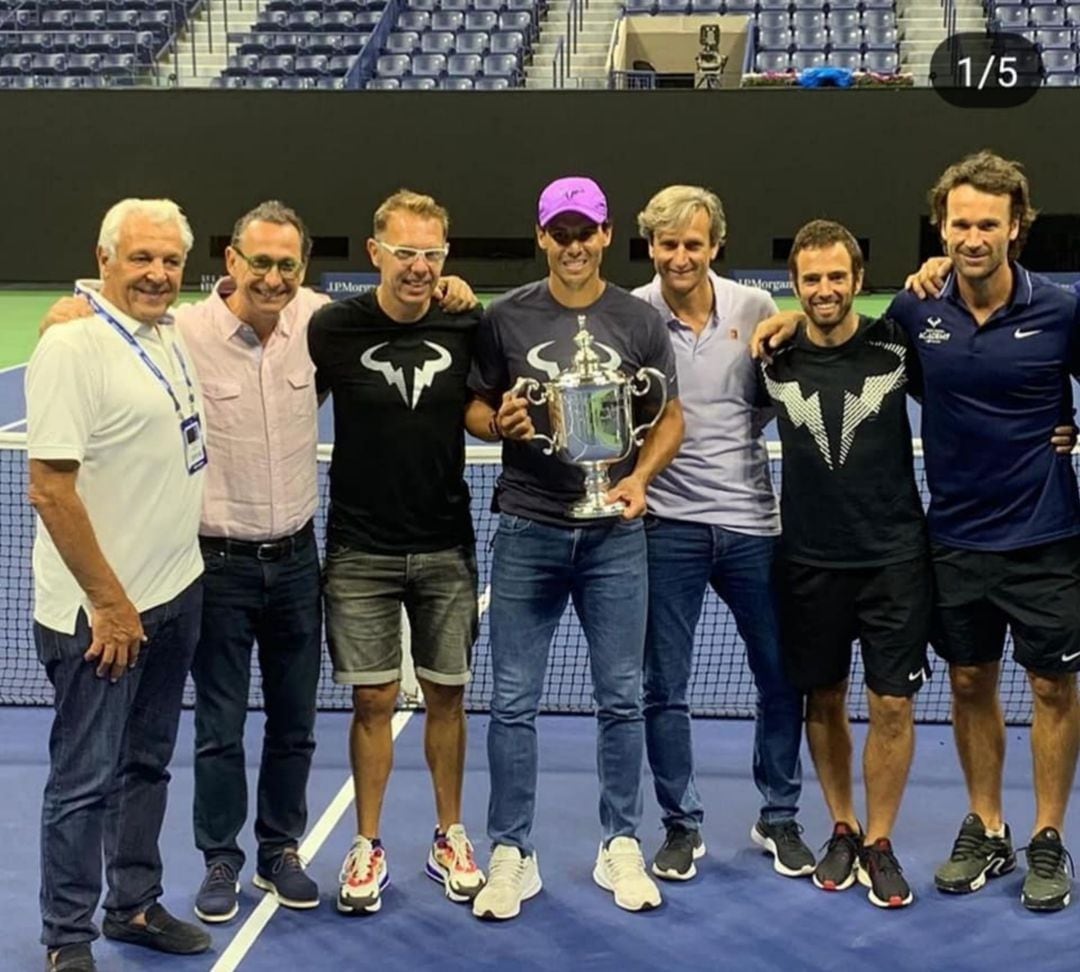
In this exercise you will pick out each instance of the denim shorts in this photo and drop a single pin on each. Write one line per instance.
(365, 593)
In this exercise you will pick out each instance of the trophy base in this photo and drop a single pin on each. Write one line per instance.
(595, 502)
(589, 509)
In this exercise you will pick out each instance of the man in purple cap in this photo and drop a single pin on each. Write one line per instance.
(543, 556)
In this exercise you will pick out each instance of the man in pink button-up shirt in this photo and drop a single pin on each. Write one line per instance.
(249, 342)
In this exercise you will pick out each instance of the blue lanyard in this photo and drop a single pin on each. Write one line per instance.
(146, 359)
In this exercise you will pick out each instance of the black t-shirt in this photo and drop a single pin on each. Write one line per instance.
(848, 496)
(526, 332)
(397, 475)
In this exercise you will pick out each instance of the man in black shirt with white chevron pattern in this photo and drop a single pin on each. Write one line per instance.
(853, 558)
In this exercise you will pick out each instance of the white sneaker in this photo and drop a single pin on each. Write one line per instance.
(620, 868)
(450, 862)
(364, 876)
(512, 878)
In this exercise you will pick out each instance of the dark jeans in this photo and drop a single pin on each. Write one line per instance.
(109, 750)
(275, 603)
(684, 560)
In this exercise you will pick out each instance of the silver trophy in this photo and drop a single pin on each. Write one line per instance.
(591, 413)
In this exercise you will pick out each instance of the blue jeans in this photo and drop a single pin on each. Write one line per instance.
(276, 604)
(684, 559)
(109, 750)
(535, 570)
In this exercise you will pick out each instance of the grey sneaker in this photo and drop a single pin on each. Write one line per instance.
(836, 869)
(783, 839)
(975, 857)
(1047, 885)
(675, 859)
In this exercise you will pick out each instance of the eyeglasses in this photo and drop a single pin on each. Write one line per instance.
(410, 254)
(261, 265)
(564, 235)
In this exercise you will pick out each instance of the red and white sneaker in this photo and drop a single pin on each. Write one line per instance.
(451, 863)
(364, 876)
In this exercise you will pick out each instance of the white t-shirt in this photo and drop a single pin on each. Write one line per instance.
(90, 398)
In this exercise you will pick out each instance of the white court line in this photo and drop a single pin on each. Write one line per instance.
(12, 425)
(4, 371)
(264, 911)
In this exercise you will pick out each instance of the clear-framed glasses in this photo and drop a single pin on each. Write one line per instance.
(261, 265)
(410, 254)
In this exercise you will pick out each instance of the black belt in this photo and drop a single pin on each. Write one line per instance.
(266, 550)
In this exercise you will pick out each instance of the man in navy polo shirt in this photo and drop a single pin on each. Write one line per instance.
(997, 348)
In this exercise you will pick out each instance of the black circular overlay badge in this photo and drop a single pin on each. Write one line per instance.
(999, 70)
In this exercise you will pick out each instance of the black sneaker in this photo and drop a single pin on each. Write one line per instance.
(1047, 886)
(216, 901)
(975, 857)
(879, 871)
(783, 839)
(284, 877)
(675, 859)
(70, 958)
(162, 932)
(836, 870)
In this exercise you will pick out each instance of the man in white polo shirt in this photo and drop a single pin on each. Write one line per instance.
(713, 522)
(116, 473)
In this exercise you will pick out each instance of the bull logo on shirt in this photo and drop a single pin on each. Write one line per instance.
(423, 374)
(550, 368)
(805, 410)
(935, 333)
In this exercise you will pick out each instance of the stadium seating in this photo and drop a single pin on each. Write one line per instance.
(1052, 26)
(792, 35)
(453, 44)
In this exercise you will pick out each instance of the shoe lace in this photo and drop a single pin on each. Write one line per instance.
(505, 868)
(290, 860)
(1046, 858)
(221, 872)
(679, 840)
(968, 845)
(837, 840)
(884, 861)
(461, 848)
(788, 833)
(359, 861)
(626, 863)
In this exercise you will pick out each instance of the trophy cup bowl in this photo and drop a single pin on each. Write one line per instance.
(590, 409)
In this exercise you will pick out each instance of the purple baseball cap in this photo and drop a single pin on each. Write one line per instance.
(573, 194)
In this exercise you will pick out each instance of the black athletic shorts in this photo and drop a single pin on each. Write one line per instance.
(824, 609)
(1035, 591)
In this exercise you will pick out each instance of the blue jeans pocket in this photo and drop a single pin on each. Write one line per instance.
(514, 525)
(56, 646)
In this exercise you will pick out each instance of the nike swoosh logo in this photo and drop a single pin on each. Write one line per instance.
(1020, 333)
(1069, 658)
(915, 676)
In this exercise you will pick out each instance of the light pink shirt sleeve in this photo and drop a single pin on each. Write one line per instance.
(260, 419)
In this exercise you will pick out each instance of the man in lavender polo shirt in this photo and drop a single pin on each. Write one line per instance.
(713, 522)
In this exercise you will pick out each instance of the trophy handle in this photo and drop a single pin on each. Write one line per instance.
(535, 394)
(640, 384)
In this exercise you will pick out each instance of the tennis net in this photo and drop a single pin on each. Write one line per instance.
(721, 684)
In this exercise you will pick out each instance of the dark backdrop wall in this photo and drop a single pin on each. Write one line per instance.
(777, 158)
